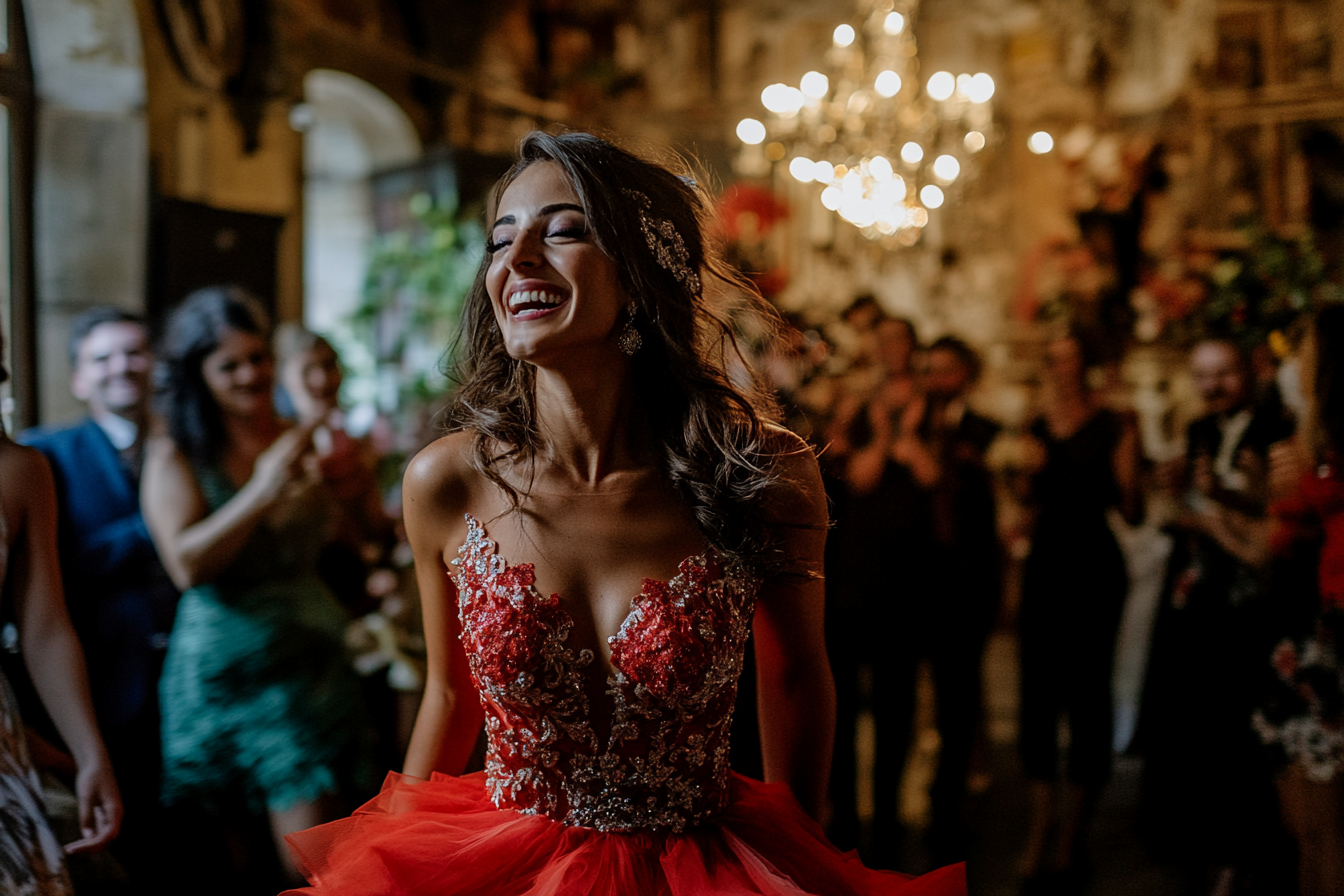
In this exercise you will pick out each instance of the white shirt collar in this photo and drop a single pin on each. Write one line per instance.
(121, 432)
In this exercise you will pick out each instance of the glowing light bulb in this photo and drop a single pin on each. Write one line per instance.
(975, 141)
(830, 197)
(802, 169)
(880, 168)
(782, 99)
(982, 88)
(946, 168)
(1040, 143)
(894, 23)
(964, 85)
(931, 196)
(911, 153)
(750, 131)
(941, 85)
(823, 172)
(888, 83)
(815, 85)
(843, 35)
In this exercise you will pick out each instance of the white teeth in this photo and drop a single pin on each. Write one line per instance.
(533, 297)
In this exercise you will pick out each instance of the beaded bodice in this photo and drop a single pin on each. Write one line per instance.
(676, 661)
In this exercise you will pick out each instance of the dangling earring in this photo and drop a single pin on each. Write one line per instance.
(630, 341)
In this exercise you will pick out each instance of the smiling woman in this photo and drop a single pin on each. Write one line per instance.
(667, 517)
(257, 692)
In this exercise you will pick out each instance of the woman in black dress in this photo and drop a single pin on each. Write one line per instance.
(1072, 596)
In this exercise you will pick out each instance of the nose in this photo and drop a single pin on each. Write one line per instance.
(524, 253)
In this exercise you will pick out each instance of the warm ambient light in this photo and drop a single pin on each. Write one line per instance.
(888, 83)
(815, 85)
(941, 85)
(782, 99)
(843, 36)
(751, 131)
(802, 169)
(946, 168)
(982, 88)
(1040, 143)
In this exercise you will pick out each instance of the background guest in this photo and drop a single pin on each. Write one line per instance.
(310, 378)
(1214, 806)
(1073, 593)
(31, 860)
(258, 695)
(1301, 712)
(120, 599)
(875, 557)
(944, 447)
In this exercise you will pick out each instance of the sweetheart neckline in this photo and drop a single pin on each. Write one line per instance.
(700, 560)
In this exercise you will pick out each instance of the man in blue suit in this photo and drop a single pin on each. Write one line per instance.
(121, 600)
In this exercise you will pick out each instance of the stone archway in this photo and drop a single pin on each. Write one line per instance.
(351, 130)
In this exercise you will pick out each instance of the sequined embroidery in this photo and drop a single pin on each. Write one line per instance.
(677, 659)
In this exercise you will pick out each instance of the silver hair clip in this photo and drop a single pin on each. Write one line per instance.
(666, 244)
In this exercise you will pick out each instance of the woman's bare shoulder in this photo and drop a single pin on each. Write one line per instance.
(797, 496)
(21, 464)
(442, 476)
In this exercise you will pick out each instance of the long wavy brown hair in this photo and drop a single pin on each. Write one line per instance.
(698, 398)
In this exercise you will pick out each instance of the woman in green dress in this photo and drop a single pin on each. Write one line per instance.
(258, 695)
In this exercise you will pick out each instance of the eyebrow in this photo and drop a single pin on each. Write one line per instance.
(545, 210)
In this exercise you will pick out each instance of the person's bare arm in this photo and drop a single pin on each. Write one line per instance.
(450, 717)
(51, 650)
(194, 544)
(795, 690)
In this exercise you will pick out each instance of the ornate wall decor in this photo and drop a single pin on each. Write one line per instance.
(207, 37)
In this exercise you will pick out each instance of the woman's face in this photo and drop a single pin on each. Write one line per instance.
(553, 290)
(313, 379)
(240, 374)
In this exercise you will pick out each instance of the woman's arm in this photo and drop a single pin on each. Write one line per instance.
(450, 717)
(194, 544)
(51, 650)
(795, 690)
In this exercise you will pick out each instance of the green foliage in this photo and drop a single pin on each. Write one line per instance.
(418, 278)
(1264, 287)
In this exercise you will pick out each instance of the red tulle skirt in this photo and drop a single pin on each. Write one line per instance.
(444, 836)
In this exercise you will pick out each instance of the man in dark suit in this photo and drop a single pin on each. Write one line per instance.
(948, 620)
(1206, 796)
(121, 600)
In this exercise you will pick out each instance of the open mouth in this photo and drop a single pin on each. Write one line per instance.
(527, 304)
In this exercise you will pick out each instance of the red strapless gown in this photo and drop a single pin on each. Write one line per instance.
(655, 810)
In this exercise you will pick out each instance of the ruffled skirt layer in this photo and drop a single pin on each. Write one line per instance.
(444, 836)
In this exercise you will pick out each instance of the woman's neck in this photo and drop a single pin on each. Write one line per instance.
(252, 434)
(585, 424)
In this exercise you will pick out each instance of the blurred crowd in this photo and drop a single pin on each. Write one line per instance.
(949, 526)
(218, 528)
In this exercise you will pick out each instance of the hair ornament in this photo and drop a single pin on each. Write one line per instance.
(666, 244)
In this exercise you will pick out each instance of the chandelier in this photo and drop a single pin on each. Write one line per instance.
(884, 147)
